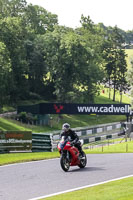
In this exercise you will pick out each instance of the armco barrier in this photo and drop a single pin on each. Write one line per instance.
(97, 133)
(42, 142)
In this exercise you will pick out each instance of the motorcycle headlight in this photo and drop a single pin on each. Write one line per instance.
(61, 146)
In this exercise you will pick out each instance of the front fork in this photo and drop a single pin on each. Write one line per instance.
(66, 154)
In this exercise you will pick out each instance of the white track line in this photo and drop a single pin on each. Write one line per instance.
(29, 162)
(79, 188)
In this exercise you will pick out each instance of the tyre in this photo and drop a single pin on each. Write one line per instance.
(83, 161)
(65, 164)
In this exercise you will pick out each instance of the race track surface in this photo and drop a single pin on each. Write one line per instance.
(30, 180)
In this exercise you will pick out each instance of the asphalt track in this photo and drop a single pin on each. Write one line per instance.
(39, 178)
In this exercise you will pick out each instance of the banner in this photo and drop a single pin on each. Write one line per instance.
(15, 140)
(61, 108)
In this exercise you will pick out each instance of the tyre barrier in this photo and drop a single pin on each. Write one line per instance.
(42, 142)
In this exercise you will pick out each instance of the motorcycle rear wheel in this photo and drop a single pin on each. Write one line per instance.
(65, 164)
(83, 162)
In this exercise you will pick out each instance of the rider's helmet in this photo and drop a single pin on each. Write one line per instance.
(65, 127)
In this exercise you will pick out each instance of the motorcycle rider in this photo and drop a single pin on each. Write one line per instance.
(68, 133)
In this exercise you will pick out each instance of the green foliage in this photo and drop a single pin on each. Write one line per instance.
(26, 118)
(129, 57)
(39, 19)
(72, 65)
(20, 23)
(12, 33)
(5, 73)
(115, 63)
(13, 8)
(53, 62)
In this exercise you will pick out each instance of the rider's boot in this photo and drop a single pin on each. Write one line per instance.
(82, 154)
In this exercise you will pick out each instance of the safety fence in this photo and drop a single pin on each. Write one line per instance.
(97, 133)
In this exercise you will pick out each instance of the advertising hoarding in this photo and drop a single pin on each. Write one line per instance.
(15, 141)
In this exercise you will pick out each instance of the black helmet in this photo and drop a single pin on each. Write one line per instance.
(65, 127)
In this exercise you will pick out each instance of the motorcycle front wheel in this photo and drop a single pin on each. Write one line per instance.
(83, 161)
(65, 164)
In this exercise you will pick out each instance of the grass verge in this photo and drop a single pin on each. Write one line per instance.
(25, 157)
(124, 147)
(115, 190)
(6, 124)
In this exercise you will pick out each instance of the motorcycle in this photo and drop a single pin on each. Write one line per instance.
(70, 155)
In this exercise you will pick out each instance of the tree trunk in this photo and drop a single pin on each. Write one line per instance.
(114, 93)
(120, 97)
(109, 89)
(109, 92)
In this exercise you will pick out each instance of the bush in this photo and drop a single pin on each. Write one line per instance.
(27, 118)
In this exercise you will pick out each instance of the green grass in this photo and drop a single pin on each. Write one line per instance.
(10, 124)
(112, 148)
(104, 97)
(129, 58)
(73, 120)
(6, 124)
(106, 142)
(25, 157)
(114, 190)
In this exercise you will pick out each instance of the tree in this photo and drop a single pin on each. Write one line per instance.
(12, 8)
(21, 27)
(122, 84)
(59, 61)
(39, 19)
(130, 80)
(87, 23)
(115, 63)
(93, 39)
(5, 71)
(13, 35)
(37, 67)
(72, 65)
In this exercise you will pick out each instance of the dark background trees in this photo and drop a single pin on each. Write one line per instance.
(42, 60)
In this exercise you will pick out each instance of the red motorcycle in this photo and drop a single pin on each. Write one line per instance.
(70, 155)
